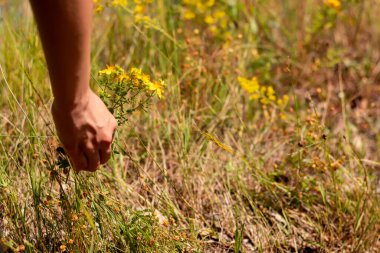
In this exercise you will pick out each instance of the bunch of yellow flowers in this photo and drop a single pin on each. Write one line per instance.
(265, 94)
(140, 10)
(210, 13)
(101, 4)
(137, 7)
(125, 92)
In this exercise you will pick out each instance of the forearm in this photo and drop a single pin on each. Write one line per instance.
(65, 31)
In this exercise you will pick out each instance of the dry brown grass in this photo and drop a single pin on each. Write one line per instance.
(304, 183)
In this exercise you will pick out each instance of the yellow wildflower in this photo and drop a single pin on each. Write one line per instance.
(336, 4)
(139, 9)
(122, 3)
(264, 100)
(139, 79)
(214, 29)
(136, 82)
(251, 86)
(108, 71)
(145, 80)
(271, 93)
(135, 72)
(209, 20)
(143, 19)
(123, 77)
(219, 14)
(210, 3)
(265, 94)
(223, 23)
(286, 99)
(188, 2)
(188, 15)
(254, 96)
(99, 8)
(157, 87)
(283, 101)
(201, 7)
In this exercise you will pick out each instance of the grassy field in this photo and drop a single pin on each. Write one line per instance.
(267, 138)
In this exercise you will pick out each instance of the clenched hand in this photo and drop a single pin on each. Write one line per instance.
(86, 131)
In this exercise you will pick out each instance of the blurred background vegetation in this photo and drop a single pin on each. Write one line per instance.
(266, 140)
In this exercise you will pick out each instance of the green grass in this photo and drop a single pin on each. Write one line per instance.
(298, 180)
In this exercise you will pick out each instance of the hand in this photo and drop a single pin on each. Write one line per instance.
(86, 131)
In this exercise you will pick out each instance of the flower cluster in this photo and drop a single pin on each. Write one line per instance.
(265, 94)
(125, 92)
(100, 5)
(140, 10)
(137, 7)
(210, 13)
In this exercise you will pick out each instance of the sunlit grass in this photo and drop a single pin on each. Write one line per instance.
(265, 140)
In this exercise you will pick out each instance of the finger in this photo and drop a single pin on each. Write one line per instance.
(92, 156)
(80, 162)
(105, 144)
(105, 154)
(77, 159)
(114, 124)
(105, 148)
(113, 127)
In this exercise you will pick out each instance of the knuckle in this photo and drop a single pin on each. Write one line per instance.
(106, 139)
(89, 147)
(105, 144)
(114, 123)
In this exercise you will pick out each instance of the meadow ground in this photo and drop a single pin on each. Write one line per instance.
(266, 139)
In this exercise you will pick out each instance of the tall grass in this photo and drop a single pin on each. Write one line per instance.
(206, 169)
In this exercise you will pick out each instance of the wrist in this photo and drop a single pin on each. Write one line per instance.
(70, 102)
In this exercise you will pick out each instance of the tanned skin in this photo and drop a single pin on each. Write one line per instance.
(84, 125)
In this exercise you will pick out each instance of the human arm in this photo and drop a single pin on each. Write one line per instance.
(84, 125)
